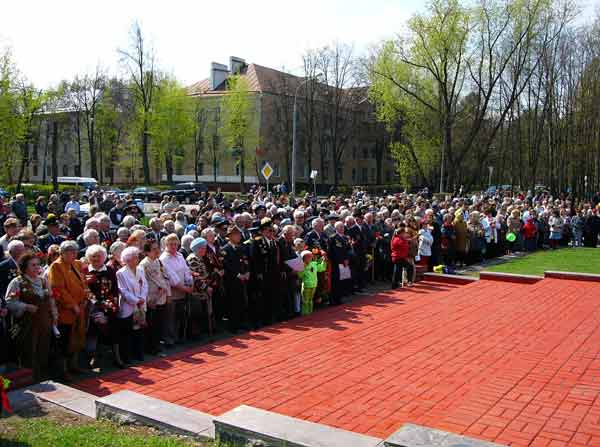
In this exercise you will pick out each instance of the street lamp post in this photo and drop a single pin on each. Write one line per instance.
(294, 127)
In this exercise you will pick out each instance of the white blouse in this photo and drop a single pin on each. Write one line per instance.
(132, 288)
(179, 273)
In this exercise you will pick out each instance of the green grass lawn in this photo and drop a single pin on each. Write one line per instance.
(581, 260)
(44, 432)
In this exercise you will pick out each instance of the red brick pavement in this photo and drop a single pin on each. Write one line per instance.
(512, 363)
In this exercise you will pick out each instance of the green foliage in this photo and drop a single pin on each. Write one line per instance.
(33, 191)
(172, 121)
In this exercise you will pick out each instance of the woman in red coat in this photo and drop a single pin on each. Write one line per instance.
(399, 249)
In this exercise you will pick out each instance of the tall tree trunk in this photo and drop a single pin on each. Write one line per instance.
(92, 148)
(169, 165)
(55, 155)
(24, 162)
(78, 172)
(145, 144)
(242, 172)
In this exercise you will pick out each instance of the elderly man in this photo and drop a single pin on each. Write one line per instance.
(19, 208)
(90, 237)
(339, 254)
(104, 223)
(9, 267)
(316, 238)
(156, 230)
(54, 235)
(288, 276)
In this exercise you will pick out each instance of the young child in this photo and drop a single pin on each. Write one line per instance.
(308, 276)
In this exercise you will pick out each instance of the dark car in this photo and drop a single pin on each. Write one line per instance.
(188, 192)
(146, 194)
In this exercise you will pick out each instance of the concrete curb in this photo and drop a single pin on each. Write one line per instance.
(450, 279)
(510, 277)
(590, 277)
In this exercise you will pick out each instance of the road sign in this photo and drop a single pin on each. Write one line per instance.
(267, 171)
(313, 174)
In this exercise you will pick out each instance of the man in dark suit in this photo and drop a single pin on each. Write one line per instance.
(236, 277)
(54, 236)
(9, 268)
(339, 253)
(156, 230)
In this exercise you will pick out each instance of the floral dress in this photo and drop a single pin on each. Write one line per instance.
(103, 300)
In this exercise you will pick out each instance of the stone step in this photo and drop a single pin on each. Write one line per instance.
(56, 393)
(411, 435)
(252, 426)
(130, 407)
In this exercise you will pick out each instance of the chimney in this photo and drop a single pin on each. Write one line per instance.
(236, 64)
(218, 74)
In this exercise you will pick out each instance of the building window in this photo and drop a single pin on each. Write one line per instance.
(34, 170)
(353, 175)
(373, 175)
(373, 153)
(77, 171)
(365, 173)
(48, 170)
(353, 153)
(65, 147)
(34, 152)
(141, 173)
(365, 153)
(237, 168)
(217, 167)
(65, 170)
(325, 173)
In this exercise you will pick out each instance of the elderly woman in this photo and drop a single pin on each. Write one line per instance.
(30, 301)
(104, 303)
(114, 252)
(186, 242)
(123, 234)
(128, 221)
(52, 255)
(90, 237)
(159, 292)
(476, 234)
(214, 263)
(202, 288)
(70, 292)
(133, 289)
(180, 279)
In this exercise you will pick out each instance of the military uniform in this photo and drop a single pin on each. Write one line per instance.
(235, 263)
(339, 253)
(47, 240)
(357, 240)
(200, 294)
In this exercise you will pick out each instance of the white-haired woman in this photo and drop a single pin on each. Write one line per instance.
(128, 221)
(186, 242)
(133, 289)
(123, 234)
(101, 280)
(114, 259)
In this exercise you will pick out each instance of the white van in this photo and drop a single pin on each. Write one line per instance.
(87, 183)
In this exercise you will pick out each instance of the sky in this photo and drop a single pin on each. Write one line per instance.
(55, 40)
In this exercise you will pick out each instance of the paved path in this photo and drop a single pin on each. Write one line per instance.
(511, 363)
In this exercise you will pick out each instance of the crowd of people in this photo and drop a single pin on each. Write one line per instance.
(74, 287)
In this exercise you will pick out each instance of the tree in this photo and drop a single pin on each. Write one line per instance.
(140, 61)
(238, 130)
(85, 94)
(11, 125)
(172, 123)
(337, 68)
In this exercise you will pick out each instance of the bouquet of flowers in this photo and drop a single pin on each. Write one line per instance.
(4, 403)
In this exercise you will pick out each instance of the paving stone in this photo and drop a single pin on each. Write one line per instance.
(450, 279)
(131, 407)
(64, 396)
(411, 435)
(245, 425)
(505, 362)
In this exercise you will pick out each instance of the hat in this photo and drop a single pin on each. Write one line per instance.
(305, 252)
(190, 227)
(217, 221)
(333, 216)
(51, 220)
(199, 242)
(266, 223)
(233, 229)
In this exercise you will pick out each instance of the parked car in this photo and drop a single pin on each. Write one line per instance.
(146, 194)
(188, 192)
(4, 193)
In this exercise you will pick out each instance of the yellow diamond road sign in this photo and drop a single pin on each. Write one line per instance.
(267, 171)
